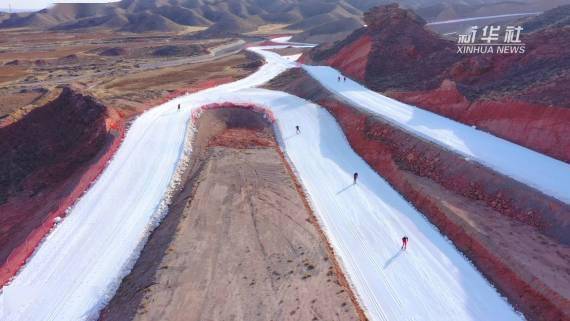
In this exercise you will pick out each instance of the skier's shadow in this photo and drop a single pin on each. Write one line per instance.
(391, 260)
(290, 136)
(344, 189)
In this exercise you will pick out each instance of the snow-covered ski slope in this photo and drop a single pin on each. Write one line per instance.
(77, 269)
(531, 168)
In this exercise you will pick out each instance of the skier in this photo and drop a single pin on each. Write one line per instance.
(404, 242)
(344, 79)
(338, 78)
(178, 106)
(355, 177)
(297, 129)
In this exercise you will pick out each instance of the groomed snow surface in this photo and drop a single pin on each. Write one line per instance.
(77, 269)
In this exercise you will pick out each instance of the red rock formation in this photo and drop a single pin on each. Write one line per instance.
(48, 159)
(353, 58)
(70, 129)
(521, 97)
(543, 128)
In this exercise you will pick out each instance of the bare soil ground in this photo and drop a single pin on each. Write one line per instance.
(137, 90)
(122, 70)
(274, 29)
(238, 244)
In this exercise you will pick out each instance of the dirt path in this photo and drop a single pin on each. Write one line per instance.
(239, 243)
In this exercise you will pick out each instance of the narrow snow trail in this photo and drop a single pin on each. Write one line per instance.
(78, 267)
(539, 171)
(286, 41)
(483, 18)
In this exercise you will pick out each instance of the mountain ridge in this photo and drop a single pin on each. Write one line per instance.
(316, 18)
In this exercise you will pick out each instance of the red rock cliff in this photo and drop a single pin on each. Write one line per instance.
(47, 160)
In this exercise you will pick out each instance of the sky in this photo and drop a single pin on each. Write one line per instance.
(40, 4)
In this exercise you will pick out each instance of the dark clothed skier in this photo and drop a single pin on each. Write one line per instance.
(404, 242)
(355, 177)
(178, 106)
(298, 130)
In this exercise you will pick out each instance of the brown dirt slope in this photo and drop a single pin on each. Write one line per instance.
(516, 236)
(238, 243)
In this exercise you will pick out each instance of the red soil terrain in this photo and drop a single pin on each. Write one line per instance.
(516, 236)
(519, 97)
(242, 138)
(48, 159)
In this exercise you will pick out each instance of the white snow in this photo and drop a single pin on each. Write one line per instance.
(78, 267)
(508, 15)
(285, 40)
(537, 170)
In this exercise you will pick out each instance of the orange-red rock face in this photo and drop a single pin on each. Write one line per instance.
(541, 128)
(352, 59)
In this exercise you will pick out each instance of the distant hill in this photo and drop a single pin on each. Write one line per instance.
(320, 20)
(557, 18)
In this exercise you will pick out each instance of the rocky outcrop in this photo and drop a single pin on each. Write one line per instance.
(404, 54)
(47, 160)
(519, 97)
(48, 142)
